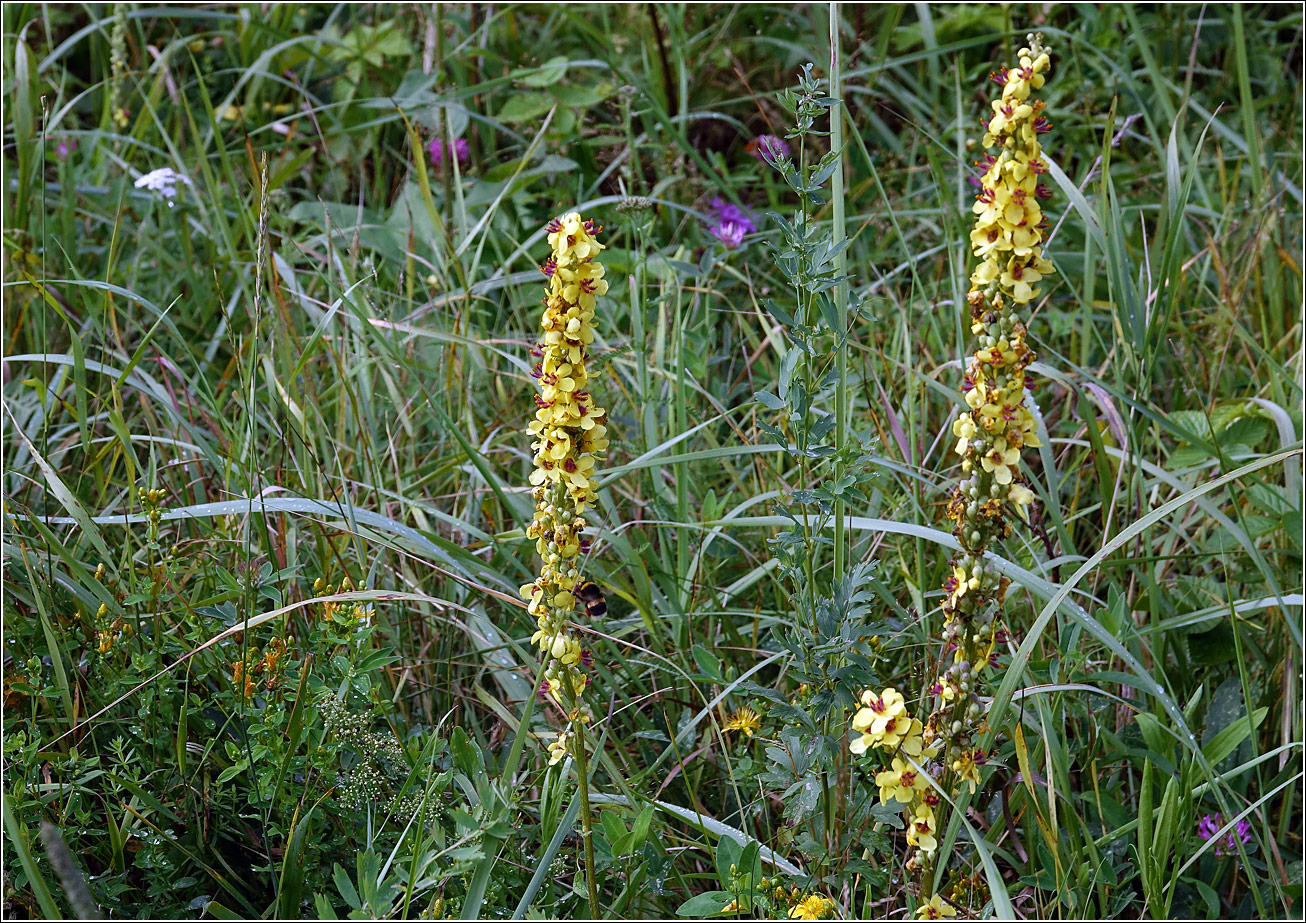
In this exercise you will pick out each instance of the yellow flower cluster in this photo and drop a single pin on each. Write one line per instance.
(558, 749)
(883, 722)
(1008, 238)
(570, 434)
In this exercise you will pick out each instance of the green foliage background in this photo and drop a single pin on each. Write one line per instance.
(320, 356)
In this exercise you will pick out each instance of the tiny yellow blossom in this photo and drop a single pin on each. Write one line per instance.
(966, 770)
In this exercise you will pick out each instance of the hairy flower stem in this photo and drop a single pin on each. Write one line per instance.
(586, 817)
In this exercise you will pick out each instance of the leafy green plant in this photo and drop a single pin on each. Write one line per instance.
(318, 365)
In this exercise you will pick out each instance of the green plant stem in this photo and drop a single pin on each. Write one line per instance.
(586, 819)
(840, 291)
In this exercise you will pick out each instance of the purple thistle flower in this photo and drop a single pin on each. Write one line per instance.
(437, 149)
(768, 148)
(1227, 845)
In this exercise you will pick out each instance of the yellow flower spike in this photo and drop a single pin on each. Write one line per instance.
(998, 422)
(568, 434)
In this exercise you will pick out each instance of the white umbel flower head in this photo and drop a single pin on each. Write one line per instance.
(164, 181)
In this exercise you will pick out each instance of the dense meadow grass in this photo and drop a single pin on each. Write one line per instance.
(267, 496)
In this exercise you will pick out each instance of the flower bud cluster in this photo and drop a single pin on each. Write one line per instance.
(570, 433)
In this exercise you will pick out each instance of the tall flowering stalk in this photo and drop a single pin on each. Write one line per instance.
(999, 423)
(1008, 238)
(570, 434)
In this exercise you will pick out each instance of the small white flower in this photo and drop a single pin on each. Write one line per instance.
(164, 181)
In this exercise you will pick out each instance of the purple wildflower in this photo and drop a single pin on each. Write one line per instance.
(729, 233)
(729, 213)
(1226, 845)
(65, 147)
(730, 223)
(437, 149)
(768, 148)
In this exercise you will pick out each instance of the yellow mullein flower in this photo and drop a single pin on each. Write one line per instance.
(900, 783)
(1021, 496)
(945, 689)
(1020, 277)
(914, 743)
(556, 685)
(879, 711)
(936, 908)
(921, 829)
(898, 732)
(812, 907)
(964, 429)
(862, 743)
(558, 749)
(1000, 459)
(569, 432)
(966, 769)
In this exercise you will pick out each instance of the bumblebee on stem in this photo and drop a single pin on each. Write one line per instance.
(589, 593)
